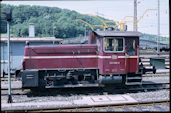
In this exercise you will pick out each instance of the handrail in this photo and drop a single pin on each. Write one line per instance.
(100, 20)
(121, 23)
(145, 13)
(126, 17)
(86, 23)
(106, 26)
(140, 16)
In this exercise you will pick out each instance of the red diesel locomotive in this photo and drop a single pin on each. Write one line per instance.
(109, 57)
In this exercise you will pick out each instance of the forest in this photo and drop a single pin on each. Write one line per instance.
(48, 21)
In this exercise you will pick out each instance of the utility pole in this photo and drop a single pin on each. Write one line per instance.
(135, 16)
(158, 43)
(9, 18)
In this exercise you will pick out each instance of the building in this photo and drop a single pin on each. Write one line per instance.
(17, 50)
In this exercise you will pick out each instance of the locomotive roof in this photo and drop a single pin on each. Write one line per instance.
(119, 33)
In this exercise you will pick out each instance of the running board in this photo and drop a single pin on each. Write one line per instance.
(76, 85)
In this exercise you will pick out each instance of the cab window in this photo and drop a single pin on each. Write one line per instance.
(113, 44)
(131, 46)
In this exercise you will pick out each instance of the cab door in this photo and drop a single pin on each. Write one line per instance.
(131, 55)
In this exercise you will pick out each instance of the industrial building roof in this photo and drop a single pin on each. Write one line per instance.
(36, 39)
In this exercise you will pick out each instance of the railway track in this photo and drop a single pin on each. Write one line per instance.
(6, 79)
(152, 52)
(157, 74)
(103, 107)
(149, 74)
(108, 108)
(108, 89)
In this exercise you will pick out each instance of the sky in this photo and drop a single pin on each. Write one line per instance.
(116, 10)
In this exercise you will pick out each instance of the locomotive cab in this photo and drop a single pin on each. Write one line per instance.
(118, 56)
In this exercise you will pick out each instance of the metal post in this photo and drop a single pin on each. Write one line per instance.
(53, 31)
(85, 32)
(135, 16)
(9, 75)
(158, 43)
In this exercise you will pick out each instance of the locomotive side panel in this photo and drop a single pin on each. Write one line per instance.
(61, 63)
(57, 66)
(112, 64)
(61, 57)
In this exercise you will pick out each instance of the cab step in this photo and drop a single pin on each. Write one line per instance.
(134, 79)
(134, 83)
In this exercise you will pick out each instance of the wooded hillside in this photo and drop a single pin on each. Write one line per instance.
(47, 19)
